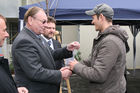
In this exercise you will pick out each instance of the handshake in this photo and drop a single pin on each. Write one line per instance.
(66, 72)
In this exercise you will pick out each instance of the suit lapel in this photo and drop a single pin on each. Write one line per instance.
(31, 34)
(55, 45)
(46, 49)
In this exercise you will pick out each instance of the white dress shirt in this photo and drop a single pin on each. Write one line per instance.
(51, 45)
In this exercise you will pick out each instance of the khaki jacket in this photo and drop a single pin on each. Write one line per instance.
(105, 67)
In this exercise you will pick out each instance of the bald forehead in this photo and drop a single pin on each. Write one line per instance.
(41, 15)
(40, 12)
(2, 20)
(32, 12)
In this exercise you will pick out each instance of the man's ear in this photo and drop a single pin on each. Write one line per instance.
(101, 16)
(30, 20)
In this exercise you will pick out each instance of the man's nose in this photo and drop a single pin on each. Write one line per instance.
(92, 22)
(6, 34)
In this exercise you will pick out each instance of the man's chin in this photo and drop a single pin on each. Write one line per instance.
(50, 36)
(97, 30)
(1, 44)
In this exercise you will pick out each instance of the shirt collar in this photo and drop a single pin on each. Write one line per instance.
(46, 38)
(32, 32)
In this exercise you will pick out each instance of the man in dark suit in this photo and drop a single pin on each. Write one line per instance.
(33, 61)
(48, 35)
(7, 84)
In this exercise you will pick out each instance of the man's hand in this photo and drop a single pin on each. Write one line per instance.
(64, 68)
(22, 90)
(72, 64)
(72, 46)
(66, 72)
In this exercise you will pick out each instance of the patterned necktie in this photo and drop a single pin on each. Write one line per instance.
(45, 43)
(49, 43)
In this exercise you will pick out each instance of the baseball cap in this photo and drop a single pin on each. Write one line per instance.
(105, 9)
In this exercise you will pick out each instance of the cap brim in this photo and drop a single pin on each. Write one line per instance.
(90, 12)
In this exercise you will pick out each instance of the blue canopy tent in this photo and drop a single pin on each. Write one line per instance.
(75, 9)
(127, 12)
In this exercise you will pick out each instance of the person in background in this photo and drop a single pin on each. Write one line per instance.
(7, 84)
(34, 60)
(48, 35)
(106, 65)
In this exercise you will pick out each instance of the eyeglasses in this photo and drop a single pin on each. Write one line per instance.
(42, 21)
(50, 28)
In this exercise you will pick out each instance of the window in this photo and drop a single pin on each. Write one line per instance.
(13, 31)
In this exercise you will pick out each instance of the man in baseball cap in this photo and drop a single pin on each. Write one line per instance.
(106, 64)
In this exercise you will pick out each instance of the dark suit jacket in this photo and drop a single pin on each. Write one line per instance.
(7, 84)
(34, 64)
(59, 63)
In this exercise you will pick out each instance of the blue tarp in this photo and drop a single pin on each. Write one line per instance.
(75, 9)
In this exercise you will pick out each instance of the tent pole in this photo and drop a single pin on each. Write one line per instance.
(47, 7)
